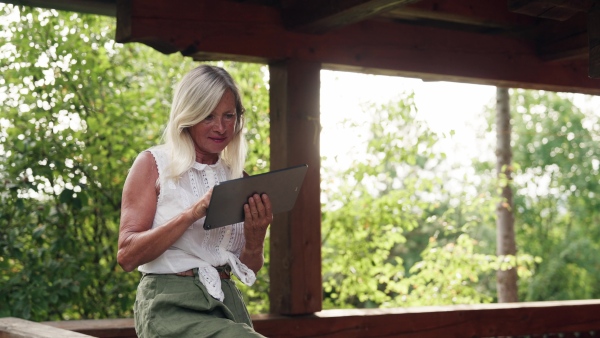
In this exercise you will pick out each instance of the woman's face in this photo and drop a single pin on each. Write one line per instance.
(214, 133)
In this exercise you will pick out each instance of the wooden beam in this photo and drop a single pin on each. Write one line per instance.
(594, 41)
(229, 15)
(559, 41)
(482, 320)
(295, 266)
(320, 16)
(104, 328)
(550, 9)
(205, 27)
(484, 15)
(560, 318)
(573, 47)
(100, 7)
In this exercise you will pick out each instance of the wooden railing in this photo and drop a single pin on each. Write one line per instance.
(20, 328)
(535, 319)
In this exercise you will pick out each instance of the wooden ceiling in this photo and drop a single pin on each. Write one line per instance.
(539, 44)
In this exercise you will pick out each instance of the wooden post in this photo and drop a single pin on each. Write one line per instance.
(594, 39)
(295, 266)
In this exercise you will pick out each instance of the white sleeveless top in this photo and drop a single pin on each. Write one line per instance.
(197, 248)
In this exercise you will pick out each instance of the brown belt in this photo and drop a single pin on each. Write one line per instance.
(223, 273)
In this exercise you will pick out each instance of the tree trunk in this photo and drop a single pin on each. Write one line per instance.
(506, 280)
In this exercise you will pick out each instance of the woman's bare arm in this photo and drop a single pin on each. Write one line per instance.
(138, 242)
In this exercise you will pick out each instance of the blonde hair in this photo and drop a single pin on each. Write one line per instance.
(195, 97)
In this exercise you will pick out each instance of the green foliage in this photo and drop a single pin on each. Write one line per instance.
(375, 208)
(556, 179)
(393, 235)
(557, 147)
(455, 268)
(76, 110)
(75, 114)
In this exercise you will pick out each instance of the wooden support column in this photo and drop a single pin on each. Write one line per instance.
(594, 39)
(295, 266)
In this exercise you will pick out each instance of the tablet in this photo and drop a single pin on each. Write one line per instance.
(228, 198)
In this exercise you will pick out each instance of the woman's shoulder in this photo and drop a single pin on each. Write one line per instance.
(145, 158)
(152, 158)
(144, 165)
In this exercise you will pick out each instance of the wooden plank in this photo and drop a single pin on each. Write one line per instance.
(295, 266)
(187, 14)
(571, 318)
(124, 16)
(21, 328)
(482, 14)
(551, 9)
(320, 16)
(370, 46)
(493, 320)
(572, 47)
(100, 7)
(594, 41)
(105, 328)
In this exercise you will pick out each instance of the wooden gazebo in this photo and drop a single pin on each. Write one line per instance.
(537, 44)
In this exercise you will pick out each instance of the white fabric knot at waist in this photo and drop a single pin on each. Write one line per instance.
(209, 277)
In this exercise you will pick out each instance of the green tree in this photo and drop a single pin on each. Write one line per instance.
(557, 147)
(77, 108)
(76, 112)
(368, 215)
(393, 235)
(506, 280)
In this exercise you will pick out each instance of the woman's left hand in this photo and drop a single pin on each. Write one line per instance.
(258, 216)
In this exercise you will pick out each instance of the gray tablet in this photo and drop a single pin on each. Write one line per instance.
(228, 198)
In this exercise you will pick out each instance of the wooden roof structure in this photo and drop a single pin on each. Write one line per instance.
(537, 44)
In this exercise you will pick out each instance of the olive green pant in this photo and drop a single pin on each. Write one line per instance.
(175, 306)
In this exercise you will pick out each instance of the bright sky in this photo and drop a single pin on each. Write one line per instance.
(445, 106)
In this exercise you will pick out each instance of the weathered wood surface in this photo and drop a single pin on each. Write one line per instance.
(320, 16)
(295, 241)
(525, 47)
(551, 9)
(205, 30)
(594, 41)
(479, 15)
(569, 318)
(104, 328)
(101, 7)
(20, 328)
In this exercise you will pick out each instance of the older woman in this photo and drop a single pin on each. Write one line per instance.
(186, 288)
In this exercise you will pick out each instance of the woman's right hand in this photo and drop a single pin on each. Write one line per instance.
(200, 208)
